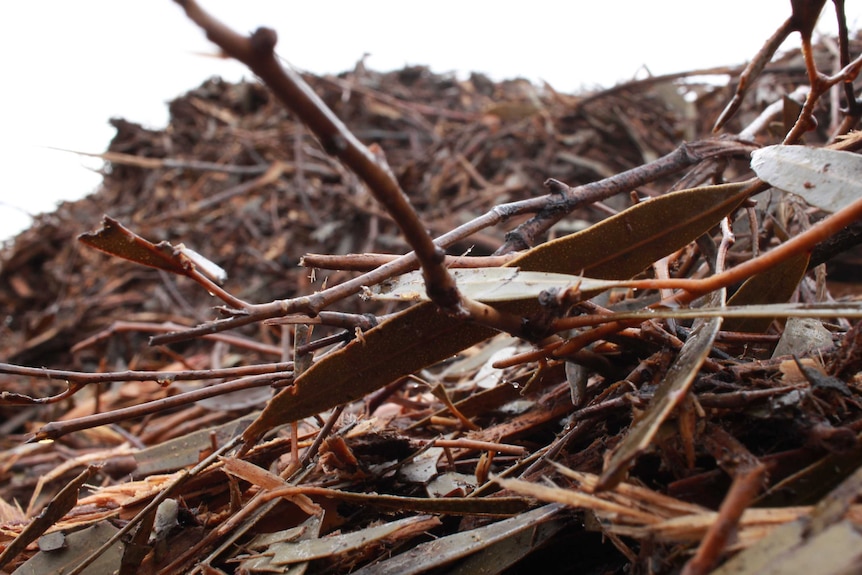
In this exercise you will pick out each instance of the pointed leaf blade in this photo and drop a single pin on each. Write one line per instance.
(775, 285)
(627, 243)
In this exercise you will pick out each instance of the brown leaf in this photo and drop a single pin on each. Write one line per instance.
(115, 239)
(775, 285)
(61, 504)
(427, 556)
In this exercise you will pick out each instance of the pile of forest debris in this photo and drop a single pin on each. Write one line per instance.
(238, 179)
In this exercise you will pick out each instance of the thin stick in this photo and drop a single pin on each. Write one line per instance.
(57, 429)
(164, 377)
(367, 262)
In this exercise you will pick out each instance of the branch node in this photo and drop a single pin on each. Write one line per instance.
(263, 41)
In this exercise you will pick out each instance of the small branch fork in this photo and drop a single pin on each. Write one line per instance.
(804, 17)
(257, 52)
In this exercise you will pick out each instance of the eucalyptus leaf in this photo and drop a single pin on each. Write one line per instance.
(302, 550)
(827, 179)
(115, 239)
(816, 310)
(78, 546)
(488, 285)
(439, 552)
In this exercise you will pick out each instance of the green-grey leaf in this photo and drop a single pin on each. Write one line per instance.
(488, 285)
(827, 179)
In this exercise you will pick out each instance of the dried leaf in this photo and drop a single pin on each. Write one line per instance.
(451, 484)
(627, 243)
(827, 179)
(487, 285)
(422, 468)
(618, 247)
(500, 557)
(61, 504)
(115, 239)
(577, 376)
(439, 552)
(802, 336)
(836, 551)
(186, 450)
(79, 546)
(271, 544)
(775, 285)
(309, 549)
(52, 541)
(210, 269)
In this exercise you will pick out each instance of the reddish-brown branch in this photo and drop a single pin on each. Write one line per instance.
(749, 476)
(753, 70)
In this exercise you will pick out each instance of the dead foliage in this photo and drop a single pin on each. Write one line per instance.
(419, 438)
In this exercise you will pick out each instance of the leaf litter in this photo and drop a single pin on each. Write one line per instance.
(678, 443)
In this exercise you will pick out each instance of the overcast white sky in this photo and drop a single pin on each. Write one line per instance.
(67, 67)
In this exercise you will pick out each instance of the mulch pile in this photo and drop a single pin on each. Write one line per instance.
(458, 147)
